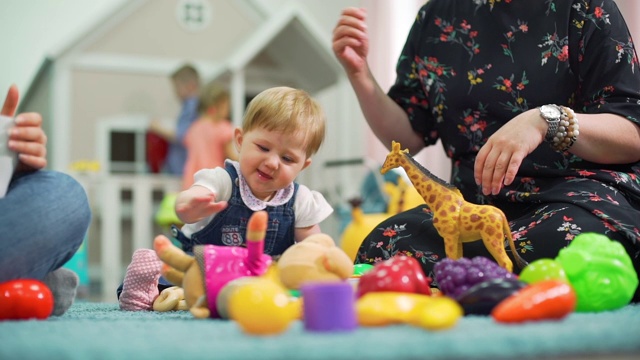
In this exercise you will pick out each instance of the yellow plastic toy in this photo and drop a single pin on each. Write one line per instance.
(388, 308)
(455, 219)
(261, 306)
(401, 197)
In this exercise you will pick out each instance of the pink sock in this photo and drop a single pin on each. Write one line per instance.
(140, 287)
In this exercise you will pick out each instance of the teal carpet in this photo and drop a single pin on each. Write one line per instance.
(102, 331)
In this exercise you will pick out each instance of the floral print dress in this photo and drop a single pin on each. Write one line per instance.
(468, 67)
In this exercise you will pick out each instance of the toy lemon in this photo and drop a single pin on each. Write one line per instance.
(263, 307)
(439, 313)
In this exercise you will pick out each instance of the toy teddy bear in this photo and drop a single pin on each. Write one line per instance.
(203, 275)
(315, 259)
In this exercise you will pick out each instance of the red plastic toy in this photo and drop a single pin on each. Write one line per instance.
(400, 273)
(25, 299)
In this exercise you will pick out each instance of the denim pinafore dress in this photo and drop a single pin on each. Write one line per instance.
(229, 227)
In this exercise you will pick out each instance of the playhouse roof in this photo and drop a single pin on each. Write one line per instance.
(281, 47)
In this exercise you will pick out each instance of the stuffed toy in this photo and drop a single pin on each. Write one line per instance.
(203, 275)
(315, 259)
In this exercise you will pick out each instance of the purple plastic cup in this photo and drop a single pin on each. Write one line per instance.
(329, 307)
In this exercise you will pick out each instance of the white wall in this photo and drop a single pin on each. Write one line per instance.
(31, 29)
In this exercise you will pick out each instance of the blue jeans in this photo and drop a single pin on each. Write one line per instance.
(44, 218)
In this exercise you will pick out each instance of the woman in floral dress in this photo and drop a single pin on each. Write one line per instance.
(473, 73)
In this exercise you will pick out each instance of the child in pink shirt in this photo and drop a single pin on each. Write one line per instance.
(208, 140)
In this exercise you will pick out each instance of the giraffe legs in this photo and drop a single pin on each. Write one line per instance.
(495, 246)
(453, 247)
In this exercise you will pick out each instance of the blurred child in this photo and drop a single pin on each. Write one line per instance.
(186, 84)
(282, 129)
(209, 140)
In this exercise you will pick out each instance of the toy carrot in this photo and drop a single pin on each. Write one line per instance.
(549, 299)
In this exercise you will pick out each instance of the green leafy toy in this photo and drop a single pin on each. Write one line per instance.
(600, 271)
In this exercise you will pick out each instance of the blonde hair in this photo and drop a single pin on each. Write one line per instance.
(287, 110)
(213, 94)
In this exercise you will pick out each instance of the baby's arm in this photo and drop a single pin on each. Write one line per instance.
(197, 203)
(311, 208)
(302, 233)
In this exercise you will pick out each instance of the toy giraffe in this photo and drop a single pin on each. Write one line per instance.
(455, 219)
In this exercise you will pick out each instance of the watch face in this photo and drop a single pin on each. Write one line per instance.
(550, 112)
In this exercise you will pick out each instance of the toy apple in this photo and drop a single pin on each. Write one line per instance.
(25, 299)
(543, 269)
(400, 273)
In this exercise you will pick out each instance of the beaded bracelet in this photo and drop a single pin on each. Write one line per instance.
(568, 132)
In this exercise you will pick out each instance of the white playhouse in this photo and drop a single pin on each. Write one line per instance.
(99, 92)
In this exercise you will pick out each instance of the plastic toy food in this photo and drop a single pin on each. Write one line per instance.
(455, 277)
(262, 307)
(481, 298)
(203, 275)
(544, 300)
(400, 273)
(361, 269)
(440, 313)
(387, 308)
(329, 307)
(600, 272)
(543, 269)
(455, 219)
(25, 299)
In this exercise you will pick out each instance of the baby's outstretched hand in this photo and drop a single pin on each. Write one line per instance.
(197, 203)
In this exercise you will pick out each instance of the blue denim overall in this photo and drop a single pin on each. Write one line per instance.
(229, 226)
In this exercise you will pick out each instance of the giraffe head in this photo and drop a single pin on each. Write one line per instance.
(394, 158)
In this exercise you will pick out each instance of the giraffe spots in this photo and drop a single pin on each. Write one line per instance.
(484, 209)
(466, 209)
(490, 230)
(432, 198)
(452, 208)
(480, 226)
(475, 218)
(429, 187)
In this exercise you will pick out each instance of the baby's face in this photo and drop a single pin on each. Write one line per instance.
(270, 160)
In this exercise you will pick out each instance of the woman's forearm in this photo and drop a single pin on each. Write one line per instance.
(607, 139)
(387, 120)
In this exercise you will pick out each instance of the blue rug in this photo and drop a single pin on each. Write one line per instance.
(102, 331)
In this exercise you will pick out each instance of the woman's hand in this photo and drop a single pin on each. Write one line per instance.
(500, 158)
(351, 41)
(26, 137)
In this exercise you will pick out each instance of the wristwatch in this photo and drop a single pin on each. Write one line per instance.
(551, 114)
